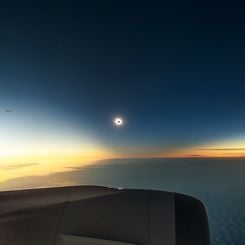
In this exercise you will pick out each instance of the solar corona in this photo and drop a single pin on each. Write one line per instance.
(118, 122)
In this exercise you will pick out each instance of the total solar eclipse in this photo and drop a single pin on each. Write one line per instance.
(118, 121)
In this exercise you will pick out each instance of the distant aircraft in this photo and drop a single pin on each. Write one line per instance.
(8, 110)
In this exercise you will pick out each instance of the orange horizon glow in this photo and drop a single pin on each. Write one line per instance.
(40, 162)
(226, 148)
(47, 159)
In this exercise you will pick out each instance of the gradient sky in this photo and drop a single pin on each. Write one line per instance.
(173, 70)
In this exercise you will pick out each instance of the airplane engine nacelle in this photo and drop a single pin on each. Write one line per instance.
(91, 215)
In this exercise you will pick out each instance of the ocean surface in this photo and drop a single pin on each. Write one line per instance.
(219, 183)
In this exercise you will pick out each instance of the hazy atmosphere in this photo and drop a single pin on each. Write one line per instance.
(173, 72)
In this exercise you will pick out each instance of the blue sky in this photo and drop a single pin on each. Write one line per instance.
(173, 71)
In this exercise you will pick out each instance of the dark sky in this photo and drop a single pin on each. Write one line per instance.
(174, 70)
